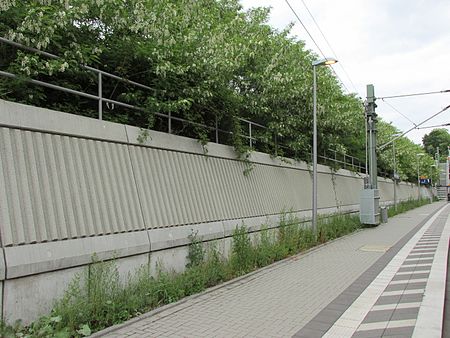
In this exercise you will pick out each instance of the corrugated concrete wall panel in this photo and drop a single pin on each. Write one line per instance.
(348, 189)
(386, 190)
(185, 188)
(57, 187)
(225, 202)
(325, 190)
(407, 191)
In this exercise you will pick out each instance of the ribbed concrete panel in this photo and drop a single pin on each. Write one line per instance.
(181, 188)
(55, 187)
(348, 189)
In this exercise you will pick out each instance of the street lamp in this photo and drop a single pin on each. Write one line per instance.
(418, 177)
(322, 62)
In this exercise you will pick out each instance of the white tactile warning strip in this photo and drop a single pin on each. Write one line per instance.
(431, 313)
(392, 304)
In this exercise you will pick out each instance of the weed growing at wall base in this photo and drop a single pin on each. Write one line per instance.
(407, 205)
(99, 298)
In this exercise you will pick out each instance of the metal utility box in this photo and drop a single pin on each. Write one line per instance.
(369, 212)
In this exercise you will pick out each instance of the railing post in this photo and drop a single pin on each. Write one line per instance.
(217, 130)
(100, 96)
(169, 117)
(250, 133)
(276, 145)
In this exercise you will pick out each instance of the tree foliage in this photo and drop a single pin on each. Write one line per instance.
(204, 60)
(437, 138)
(407, 160)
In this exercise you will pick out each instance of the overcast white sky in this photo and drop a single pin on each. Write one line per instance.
(399, 46)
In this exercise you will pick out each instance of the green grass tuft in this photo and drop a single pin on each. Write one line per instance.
(404, 206)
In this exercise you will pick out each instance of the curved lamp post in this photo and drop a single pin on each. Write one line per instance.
(322, 62)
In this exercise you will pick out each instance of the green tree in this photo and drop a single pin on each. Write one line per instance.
(405, 153)
(437, 138)
(204, 60)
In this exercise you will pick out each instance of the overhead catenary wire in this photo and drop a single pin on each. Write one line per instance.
(436, 126)
(306, 29)
(329, 45)
(398, 111)
(416, 127)
(314, 41)
(414, 94)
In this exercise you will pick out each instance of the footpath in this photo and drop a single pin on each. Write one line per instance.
(386, 281)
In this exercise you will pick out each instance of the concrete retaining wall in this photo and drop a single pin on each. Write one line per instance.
(71, 186)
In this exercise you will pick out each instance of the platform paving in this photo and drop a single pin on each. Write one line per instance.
(378, 282)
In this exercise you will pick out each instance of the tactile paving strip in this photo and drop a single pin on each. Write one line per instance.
(396, 310)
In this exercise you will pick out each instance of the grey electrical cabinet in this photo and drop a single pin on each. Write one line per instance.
(369, 212)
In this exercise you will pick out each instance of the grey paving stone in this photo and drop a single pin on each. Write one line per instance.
(345, 300)
(319, 325)
(417, 251)
(411, 298)
(396, 287)
(336, 306)
(406, 286)
(378, 316)
(411, 276)
(329, 315)
(401, 314)
(418, 261)
(368, 334)
(406, 331)
(383, 300)
(309, 333)
(414, 268)
(432, 243)
(415, 286)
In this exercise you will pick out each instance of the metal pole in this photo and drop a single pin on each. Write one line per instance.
(372, 130)
(418, 179)
(169, 122)
(250, 133)
(217, 130)
(367, 149)
(395, 177)
(314, 197)
(276, 145)
(100, 96)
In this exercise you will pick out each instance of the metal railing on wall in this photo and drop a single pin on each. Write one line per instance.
(330, 157)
